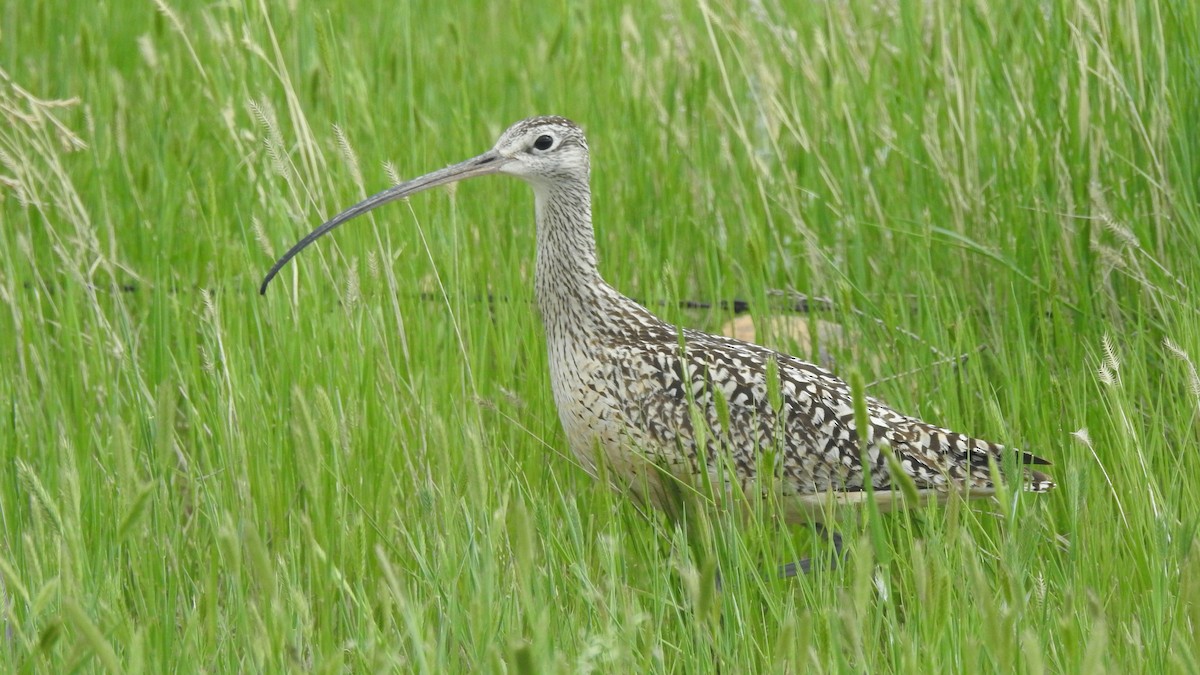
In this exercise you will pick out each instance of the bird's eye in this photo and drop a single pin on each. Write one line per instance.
(543, 142)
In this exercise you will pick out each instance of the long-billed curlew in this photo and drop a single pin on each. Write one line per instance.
(663, 407)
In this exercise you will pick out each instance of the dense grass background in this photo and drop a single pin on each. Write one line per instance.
(364, 471)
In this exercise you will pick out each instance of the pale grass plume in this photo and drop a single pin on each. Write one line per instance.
(1039, 590)
(210, 304)
(34, 488)
(1129, 240)
(264, 112)
(392, 174)
(1122, 233)
(260, 236)
(14, 185)
(147, 51)
(1110, 366)
(1135, 262)
(24, 245)
(1110, 258)
(647, 69)
(177, 26)
(1085, 439)
(208, 360)
(1109, 374)
(350, 157)
(373, 266)
(1193, 376)
(240, 135)
(352, 294)
(251, 45)
(219, 32)
(304, 155)
(281, 161)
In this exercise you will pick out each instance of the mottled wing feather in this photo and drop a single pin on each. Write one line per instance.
(814, 433)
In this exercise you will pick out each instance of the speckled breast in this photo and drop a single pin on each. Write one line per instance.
(587, 391)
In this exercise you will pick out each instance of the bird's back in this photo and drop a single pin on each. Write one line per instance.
(660, 406)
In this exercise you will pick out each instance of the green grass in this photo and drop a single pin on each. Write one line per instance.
(363, 470)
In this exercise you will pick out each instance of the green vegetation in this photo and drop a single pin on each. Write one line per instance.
(363, 470)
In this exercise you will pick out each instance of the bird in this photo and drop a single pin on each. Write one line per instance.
(659, 410)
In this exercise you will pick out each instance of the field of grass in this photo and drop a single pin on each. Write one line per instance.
(364, 471)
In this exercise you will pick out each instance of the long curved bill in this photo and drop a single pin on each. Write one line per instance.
(487, 163)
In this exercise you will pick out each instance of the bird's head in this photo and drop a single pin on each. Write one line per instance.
(543, 151)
